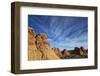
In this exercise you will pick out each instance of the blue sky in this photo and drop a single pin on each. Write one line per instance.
(64, 32)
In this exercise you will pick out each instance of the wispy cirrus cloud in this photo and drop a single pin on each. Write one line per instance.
(65, 32)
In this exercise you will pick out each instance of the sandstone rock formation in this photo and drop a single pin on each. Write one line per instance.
(33, 53)
(66, 53)
(77, 53)
(84, 52)
(58, 52)
(39, 47)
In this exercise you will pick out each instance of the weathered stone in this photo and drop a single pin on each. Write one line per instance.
(38, 47)
(65, 53)
(58, 52)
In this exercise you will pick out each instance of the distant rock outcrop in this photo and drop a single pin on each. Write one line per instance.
(84, 52)
(66, 53)
(76, 53)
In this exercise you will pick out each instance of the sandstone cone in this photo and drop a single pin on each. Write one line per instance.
(58, 52)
